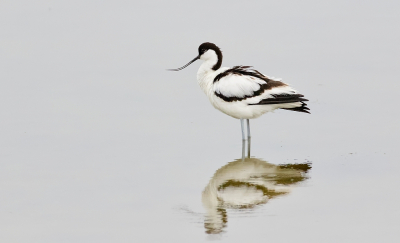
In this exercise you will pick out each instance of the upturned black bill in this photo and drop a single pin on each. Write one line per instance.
(178, 69)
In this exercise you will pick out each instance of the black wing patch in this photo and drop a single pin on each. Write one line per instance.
(286, 98)
(248, 71)
(281, 99)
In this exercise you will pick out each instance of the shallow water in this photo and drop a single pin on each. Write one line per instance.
(98, 143)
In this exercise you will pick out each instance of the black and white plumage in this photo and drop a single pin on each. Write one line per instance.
(242, 92)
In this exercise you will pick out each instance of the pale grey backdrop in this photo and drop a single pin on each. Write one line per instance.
(98, 143)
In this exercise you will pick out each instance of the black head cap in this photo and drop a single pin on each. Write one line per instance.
(211, 46)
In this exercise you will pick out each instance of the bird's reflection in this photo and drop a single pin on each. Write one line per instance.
(244, 184)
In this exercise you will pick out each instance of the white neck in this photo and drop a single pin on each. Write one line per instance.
(205, 74)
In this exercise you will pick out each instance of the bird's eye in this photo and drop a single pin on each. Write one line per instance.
(203, 50)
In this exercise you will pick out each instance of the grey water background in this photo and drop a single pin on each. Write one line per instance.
(98, 143)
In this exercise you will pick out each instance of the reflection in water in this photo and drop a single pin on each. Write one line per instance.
(244, 184)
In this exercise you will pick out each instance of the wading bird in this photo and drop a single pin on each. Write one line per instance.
(242, 92)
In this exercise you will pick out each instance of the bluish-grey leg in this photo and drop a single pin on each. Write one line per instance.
(248, 129)
(242, 125)
(248, 138)
(243, 149)
(248, 147)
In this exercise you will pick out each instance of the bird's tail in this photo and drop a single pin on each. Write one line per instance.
(302, 108)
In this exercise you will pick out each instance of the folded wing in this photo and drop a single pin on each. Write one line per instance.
(243, 83)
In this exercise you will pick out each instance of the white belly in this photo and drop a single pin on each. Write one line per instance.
(240, 109)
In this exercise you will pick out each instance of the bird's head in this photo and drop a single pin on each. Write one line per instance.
(207, 52)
